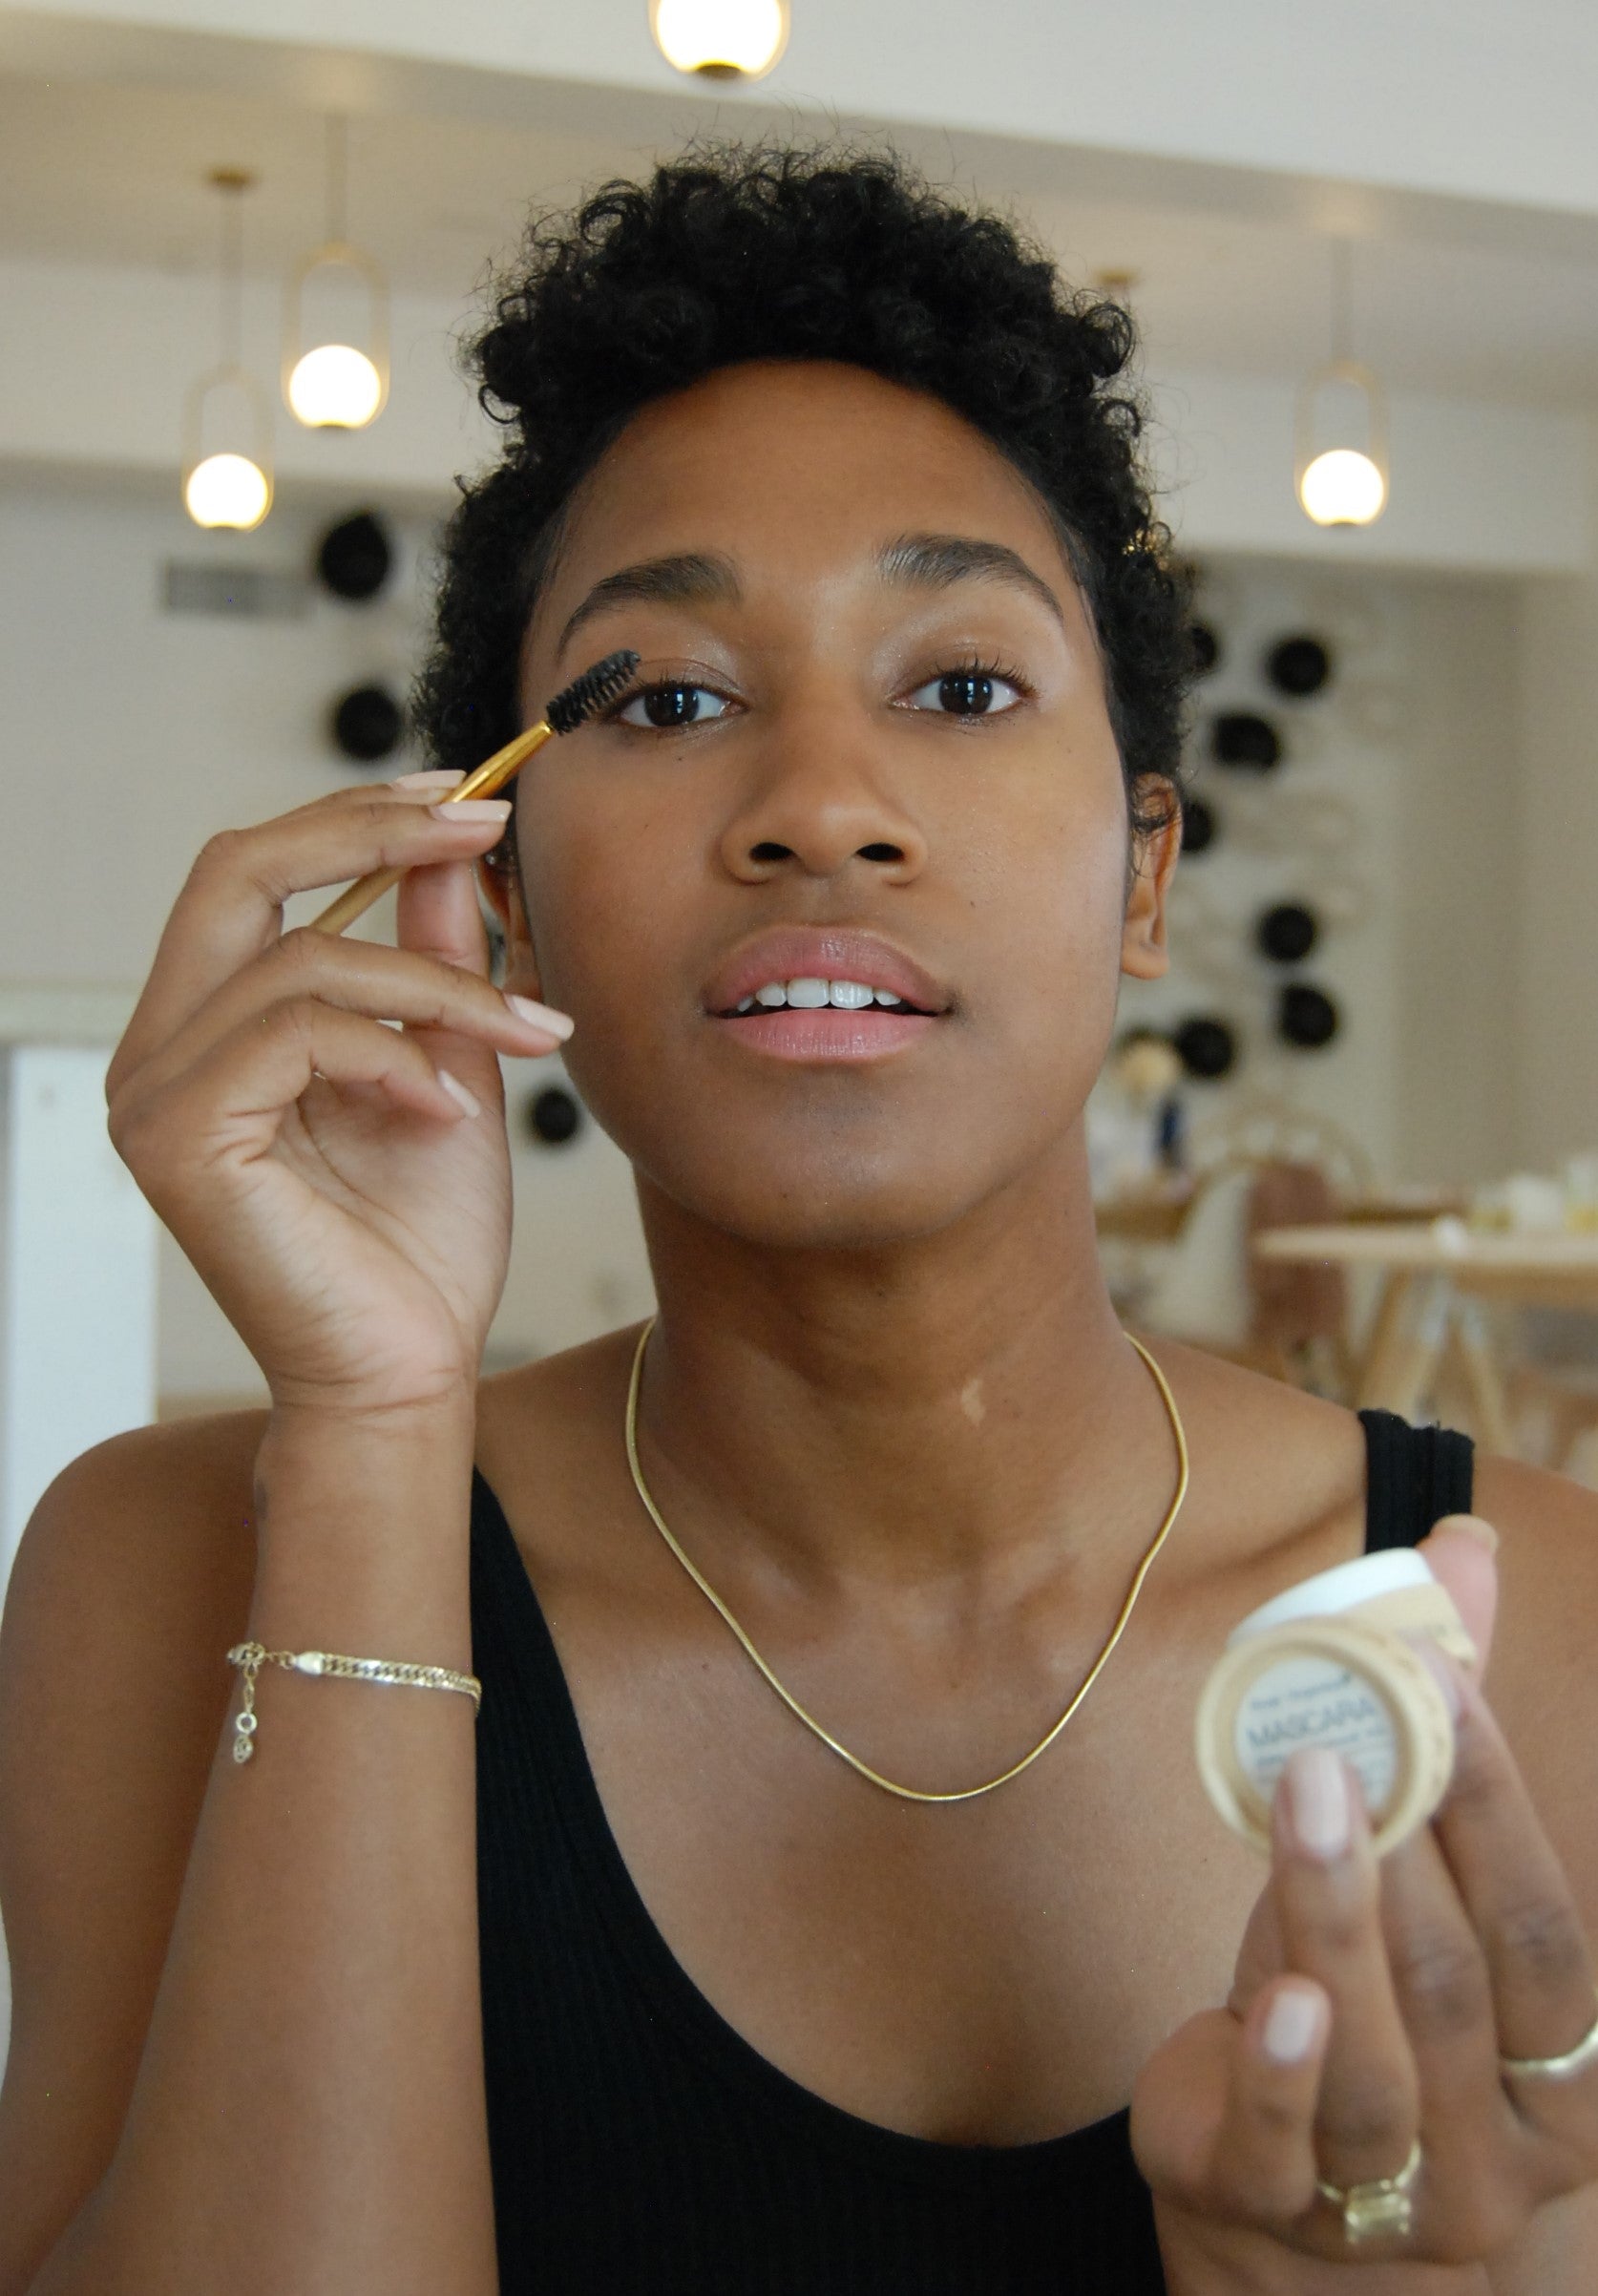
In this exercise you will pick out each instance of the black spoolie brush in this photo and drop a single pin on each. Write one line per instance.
(572, 707)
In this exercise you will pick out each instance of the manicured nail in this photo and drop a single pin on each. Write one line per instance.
(473, 809)
(1474, 1528)
(466, 1102)
(436, 777)
(1435, 1664)
(1318, 1806)
(1291, 2024)
(541, 1015)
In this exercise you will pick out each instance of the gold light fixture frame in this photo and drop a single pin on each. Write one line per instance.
(1343, 370)
(338, 251)
(230, 371)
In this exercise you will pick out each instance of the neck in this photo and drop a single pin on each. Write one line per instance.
(953, 1407)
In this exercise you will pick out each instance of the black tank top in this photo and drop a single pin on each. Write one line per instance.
(641, 2147)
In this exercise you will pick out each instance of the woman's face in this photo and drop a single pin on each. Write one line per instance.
(876, 750)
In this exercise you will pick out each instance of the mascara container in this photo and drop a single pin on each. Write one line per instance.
(1329, 1663)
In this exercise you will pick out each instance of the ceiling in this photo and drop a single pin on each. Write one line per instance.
(93, 173)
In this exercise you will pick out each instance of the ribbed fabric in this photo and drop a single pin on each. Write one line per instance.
(641, 2145)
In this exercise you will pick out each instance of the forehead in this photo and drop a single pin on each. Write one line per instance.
(802, 469)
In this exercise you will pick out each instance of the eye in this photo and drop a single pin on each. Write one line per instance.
(976, 692)
(673, 704)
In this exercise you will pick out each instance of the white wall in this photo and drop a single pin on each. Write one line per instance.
(1488, 99)
(1557, 1077)
(129, 735)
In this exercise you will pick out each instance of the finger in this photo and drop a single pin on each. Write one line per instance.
(1223, 2115)
(1328, 1893)
(229, 1104)
(1459, 1550)
(355, 977)
(1265, 2166)
(231, 908)
(1259, 1957)
(439, 916)
(1516, 1895)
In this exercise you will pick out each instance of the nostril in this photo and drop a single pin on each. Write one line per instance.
(769, 851)
(881, 852)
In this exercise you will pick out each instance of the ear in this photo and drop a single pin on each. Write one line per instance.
(1144, 953)
(499, 880)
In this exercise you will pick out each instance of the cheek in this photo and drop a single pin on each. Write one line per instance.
(610, 891)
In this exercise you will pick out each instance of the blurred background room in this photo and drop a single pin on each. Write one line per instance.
(1354, 1137)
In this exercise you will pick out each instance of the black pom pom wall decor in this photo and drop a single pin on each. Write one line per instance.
(554, 1117)
(1298, 666)
(1200, 827)
(1206, 648)
(1287, 932)
(355, 558)
(1250, 743)
(1307, 1017)
(1206, 1047)
(368, 724)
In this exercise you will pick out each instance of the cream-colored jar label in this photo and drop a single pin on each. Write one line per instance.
(1309, 1701)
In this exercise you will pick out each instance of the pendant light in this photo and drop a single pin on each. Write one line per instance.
(721, 39)
(227, 420)
(1340, 462)
(330, 384)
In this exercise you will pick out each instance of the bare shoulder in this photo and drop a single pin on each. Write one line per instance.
(1542, 1676)
(132, 1579)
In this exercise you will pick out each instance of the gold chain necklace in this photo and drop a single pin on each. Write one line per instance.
(865, 1770)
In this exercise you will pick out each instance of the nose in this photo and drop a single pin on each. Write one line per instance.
(817, 803)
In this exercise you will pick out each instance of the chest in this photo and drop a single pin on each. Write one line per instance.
(989, 1971)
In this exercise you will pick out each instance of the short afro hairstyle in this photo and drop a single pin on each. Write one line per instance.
(735, 253)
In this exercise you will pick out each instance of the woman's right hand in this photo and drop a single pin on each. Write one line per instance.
(341, 1187)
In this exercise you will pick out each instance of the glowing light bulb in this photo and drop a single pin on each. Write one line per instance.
(1342, 488)
(335, 388)
(227, 490)
(723, 39)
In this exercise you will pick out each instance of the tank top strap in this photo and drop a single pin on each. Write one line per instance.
(1414, 1477)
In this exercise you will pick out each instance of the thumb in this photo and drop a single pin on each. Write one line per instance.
(1459, 1552)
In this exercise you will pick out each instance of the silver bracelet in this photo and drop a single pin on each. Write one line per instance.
(249, 1657)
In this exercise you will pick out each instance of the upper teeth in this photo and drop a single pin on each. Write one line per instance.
(850, 995)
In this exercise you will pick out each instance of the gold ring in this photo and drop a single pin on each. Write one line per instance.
(1554, 2068)
(1379, 2207)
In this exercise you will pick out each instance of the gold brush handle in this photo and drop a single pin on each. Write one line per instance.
(489, 777)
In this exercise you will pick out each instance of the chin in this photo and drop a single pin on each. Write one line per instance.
(778, 1197)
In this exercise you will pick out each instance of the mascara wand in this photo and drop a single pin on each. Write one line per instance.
(572, 707)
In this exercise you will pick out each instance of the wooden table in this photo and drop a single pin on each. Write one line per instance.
(1434, 1281)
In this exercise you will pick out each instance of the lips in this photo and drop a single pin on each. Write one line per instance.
(827, 954)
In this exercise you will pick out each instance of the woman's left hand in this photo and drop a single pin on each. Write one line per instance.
(1372, 2010)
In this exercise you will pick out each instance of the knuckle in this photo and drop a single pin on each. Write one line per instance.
(1443, 1981)
(1477, 1785)
(1544, 1938)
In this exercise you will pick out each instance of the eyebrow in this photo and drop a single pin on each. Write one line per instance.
(688, 578)
(936, 562)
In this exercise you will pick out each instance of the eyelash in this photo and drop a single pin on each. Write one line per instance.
(971, 666)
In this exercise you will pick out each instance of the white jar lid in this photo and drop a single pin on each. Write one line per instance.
(1391, 1572)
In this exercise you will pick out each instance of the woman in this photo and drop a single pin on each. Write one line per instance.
(709, 2009)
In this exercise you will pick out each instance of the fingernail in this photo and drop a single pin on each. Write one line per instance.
(1291, 2024)
(1442, 1673)
(541, 1015)
(466, 1102)
(1318, 1804)
(436, 777)
(473, 809)
(1474, 1528)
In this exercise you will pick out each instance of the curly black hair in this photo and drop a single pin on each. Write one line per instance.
(738, 253)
